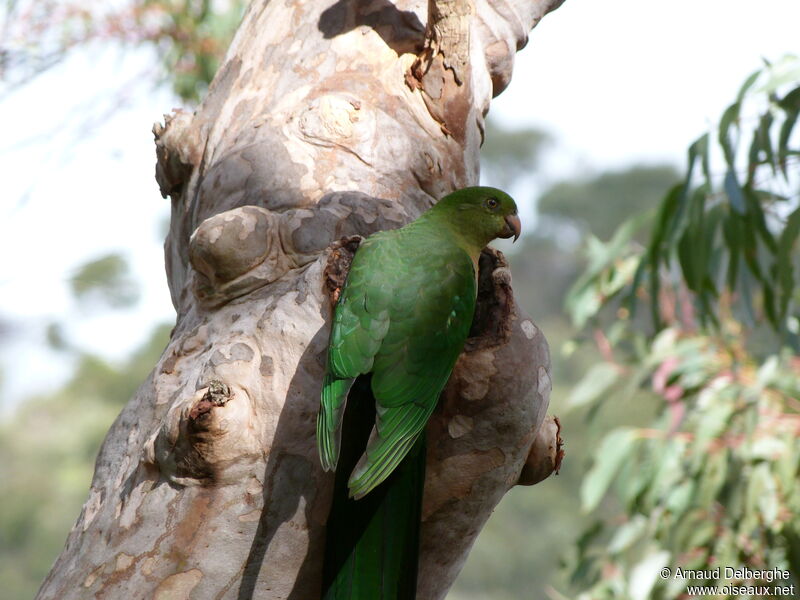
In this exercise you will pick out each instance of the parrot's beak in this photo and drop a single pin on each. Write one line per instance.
(513, 227)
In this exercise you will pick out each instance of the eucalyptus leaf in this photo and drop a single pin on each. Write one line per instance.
(734, 192)
(783, 141)
(645, 574)
(594, 384)
(748, 83)
(713, 476)
(614, 449)
(627, 533)
(729, 118)
(784, 261)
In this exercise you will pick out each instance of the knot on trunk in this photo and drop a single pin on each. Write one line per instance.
(502, 29)
(546, 453)
(178, 150)
(243, 249)
(235, 252)
(208, 438)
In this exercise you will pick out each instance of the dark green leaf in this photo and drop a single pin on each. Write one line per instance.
(709, 260)
(733, 239)
(614, 449)
(703, 227)
(783, 141)
(699, 149)
(750, 250)
(783, 260)
(686, 254)
(656, 252)
(748, 83)
(762, 143)
(734, 192)
(746, 296)
(770, 305)
(729, 117)
(757, 220)
(791, 101)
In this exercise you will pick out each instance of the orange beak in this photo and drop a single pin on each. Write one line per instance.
(513, 227)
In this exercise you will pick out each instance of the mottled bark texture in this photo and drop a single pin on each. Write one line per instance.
(327, 119)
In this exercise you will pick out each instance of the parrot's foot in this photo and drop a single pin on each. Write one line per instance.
(339, 261)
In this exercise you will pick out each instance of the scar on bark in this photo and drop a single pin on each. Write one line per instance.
(545, 455)
(446, 37)
(494, 306)
(177, 144)
(217, 394)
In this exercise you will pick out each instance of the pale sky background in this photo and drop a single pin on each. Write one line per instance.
(615, 82)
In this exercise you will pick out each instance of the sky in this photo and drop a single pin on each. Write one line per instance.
(615, 83)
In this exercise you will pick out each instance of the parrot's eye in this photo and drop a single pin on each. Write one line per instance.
(492, 203)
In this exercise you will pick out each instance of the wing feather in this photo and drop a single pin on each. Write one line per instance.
(361, 321)
(404, 314)
(429, 322)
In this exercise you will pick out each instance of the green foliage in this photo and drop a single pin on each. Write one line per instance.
(738, 231)
(106, 279)
(49, 446)
(714, 481)
(192, 37)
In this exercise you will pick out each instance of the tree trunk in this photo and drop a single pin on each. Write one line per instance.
(326, 120)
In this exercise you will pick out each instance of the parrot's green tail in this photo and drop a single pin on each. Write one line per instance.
(329, 420)
(372, 544)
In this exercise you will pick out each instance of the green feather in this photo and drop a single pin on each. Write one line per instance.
(403, 316)
(329, 421)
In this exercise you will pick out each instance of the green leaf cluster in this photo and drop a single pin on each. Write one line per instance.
(714, 480)
(192, 36)
(734, 228)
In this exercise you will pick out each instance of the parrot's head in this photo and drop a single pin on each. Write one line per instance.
(481, 214)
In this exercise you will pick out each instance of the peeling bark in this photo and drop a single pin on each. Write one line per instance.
(327, 120)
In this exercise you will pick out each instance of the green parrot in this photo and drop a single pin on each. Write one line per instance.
(401, 321)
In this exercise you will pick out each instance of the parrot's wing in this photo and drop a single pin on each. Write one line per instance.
(430, 317)
(360, 322)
